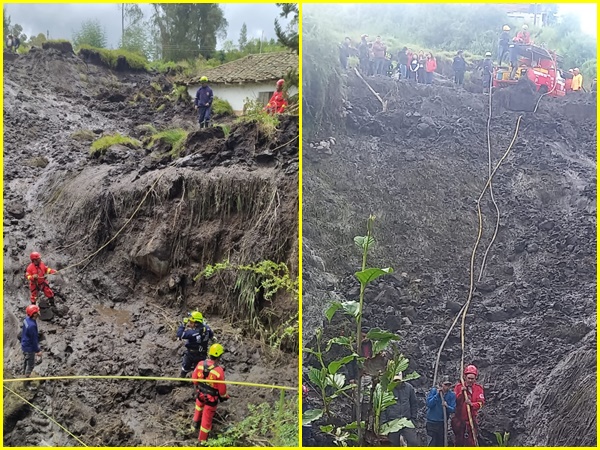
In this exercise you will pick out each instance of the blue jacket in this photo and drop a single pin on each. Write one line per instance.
(197, 338)
(29, 336)
(435, 412)
(204, 95)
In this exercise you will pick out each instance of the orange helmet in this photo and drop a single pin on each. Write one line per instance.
(471, 369)
(32, 309)
(280, 82)
(34, 256)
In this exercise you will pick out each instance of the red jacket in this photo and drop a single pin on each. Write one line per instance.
(215, 373)
(379, 49)
(40, 270)
(475, 394)
(430, 65)
(277, 103)
(524, 37)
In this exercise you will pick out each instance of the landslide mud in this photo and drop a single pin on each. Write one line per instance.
(419, 167)
(231, 196)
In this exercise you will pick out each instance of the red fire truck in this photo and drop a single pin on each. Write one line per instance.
(538, 65)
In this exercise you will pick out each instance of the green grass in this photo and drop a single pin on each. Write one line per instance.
(83, 135)
(174, 137)
(220, 106)
(110, 57)
(254, 113)
(100, 146)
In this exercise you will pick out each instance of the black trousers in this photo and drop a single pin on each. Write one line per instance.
(435, 432)
(459, 77)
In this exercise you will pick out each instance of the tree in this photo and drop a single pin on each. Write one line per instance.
(91, 33)
(187, 30)
(37, 41)
(134, 35)
(243, 40)
(289, 37)
(5, 23)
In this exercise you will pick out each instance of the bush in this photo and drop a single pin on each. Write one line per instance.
(220, 106)
(254, 113)
(100, 146)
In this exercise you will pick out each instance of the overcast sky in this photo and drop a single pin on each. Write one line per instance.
(61, 20)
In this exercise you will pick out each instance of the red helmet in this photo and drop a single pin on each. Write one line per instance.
(34, 256)
(280, 82)
(32, 309)
(471, 369)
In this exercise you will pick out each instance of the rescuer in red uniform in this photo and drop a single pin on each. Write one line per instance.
(36, 273)
(278, 103)
(465, 435)
(208, 394)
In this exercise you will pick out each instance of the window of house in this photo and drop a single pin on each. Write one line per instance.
(264, 97)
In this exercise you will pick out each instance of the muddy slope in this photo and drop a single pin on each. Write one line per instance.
(231, 196)
(419, 167)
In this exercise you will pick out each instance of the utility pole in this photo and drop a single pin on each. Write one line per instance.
(262, 33)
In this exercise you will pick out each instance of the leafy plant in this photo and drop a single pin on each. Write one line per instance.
(265, 425)
(254, 113)
(502, 439)
(100, 146)
(331, 384)
(220, 106)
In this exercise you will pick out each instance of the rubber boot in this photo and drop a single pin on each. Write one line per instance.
(195, 428)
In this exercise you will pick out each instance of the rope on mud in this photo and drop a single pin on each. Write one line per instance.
(133, 377)
(551, 90)
(47, 416)
(150, 189)
(383, 104)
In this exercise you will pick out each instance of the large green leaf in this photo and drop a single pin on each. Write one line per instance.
(318, 377)
(371, 274)
(310, 415)
(360, 241)
(340, 340)
(329, 313)
(334, 366)
(395, 425)
(326, 428)
(336, 381)
(352, 308)
(376, 333)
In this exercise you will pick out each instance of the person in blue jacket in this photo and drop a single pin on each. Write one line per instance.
(198, 336)
(30, 344)
(437, 400)
(203, 102)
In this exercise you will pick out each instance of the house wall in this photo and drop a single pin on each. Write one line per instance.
(236, 93)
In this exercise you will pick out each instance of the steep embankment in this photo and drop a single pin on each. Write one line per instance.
(419, 167)
(231, 196)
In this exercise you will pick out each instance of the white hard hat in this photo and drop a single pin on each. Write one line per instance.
(488, 53)
(525, 27)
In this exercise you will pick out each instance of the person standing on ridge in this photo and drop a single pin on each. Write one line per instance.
(437, 400)
(379, 50)
(36, 275)
(198, 335)
(208, 395)
(523, 36)
(430, 66)
(577, 82)
(363, 55)
(203, 102)
(30, 344)
(468, 398)
(278, 103)
(459, 65)
(503, 44)
(488, 68)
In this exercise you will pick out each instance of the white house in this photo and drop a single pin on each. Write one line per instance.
(253, 76)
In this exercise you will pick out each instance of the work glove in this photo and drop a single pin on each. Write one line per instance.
(53, 272)
(186, 320)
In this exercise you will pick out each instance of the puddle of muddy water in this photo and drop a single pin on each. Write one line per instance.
(117, 316)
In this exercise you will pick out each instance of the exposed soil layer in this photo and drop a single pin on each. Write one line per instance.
(231, 196)
(419, 167)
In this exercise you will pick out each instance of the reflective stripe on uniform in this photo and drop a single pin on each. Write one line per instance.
(215, 373)
(206, 430)
(199, 408)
